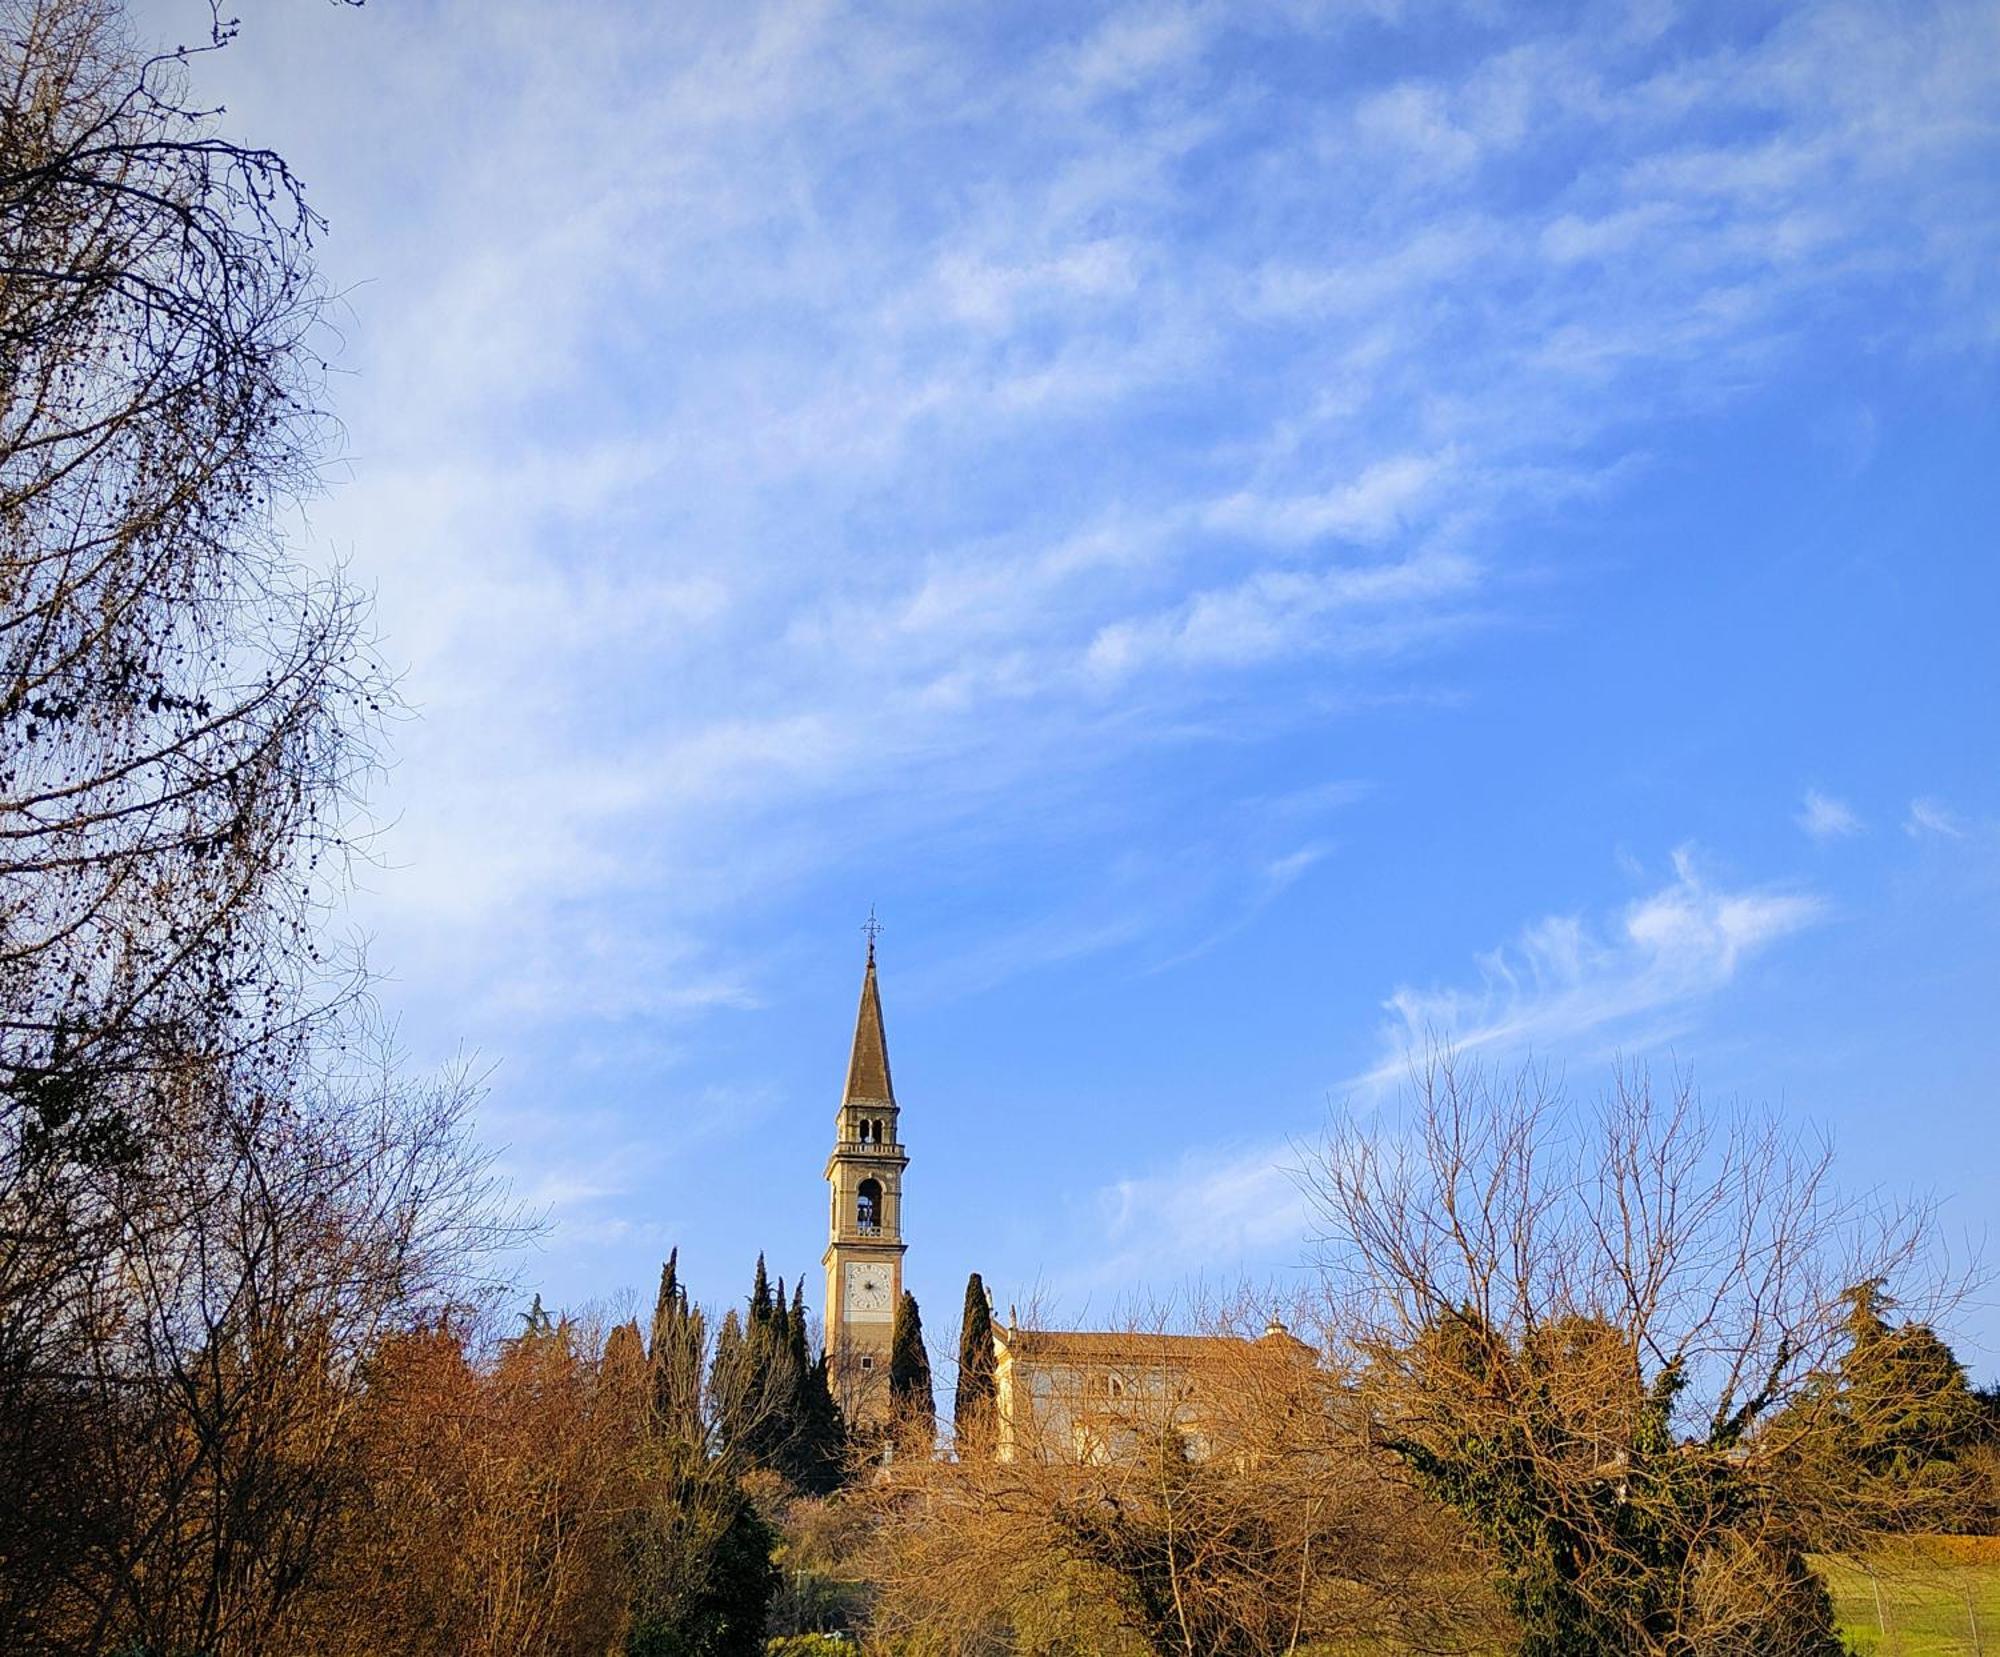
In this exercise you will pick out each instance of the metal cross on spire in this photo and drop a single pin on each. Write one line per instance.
(873, 928)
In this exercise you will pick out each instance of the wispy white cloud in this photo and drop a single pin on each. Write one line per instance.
(1359, 611)
(1570, 985)
(1133, 46)
(1282, 872)
(1368, 509)
(1214, 1213)
(1565, 988)
(761, 412)
(1933, 818)
(1826, 818)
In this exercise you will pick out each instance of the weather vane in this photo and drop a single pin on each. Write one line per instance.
(873, 928)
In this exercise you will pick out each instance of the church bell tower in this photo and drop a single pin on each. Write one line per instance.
(864, 1250)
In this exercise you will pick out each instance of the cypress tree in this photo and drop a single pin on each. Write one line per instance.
(822, 1462)
(912, 1412)
(776, 1431)
(815, 1459)
(623, 1347)
(801, 1353)
(664, 1301)
(622, 1376)
(974, 1403)
(700, 1553)
(666, 1306)
(728, 1381)
(771, 1381)
(679, 1334)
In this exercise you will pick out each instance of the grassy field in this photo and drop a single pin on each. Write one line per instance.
(1936, 1597)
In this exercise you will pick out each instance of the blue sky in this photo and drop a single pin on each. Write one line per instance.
(1252, 533)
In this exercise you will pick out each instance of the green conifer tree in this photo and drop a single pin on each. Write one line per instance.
(801, 1348)
(1896, 1420)
(699, 1551)
(912, 1412)
(624, 1347)
(975, 1400)
(815, 1459)
(729, 1382)
(822, 1434)
(674, 1358)
(666, 1304)
(768, 1386)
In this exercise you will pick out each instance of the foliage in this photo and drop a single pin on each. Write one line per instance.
(1217, 1502)
(725, 1615)
(975, 1399)
(819, 1466)
(679, 1344)
(774, 1405)
(1611, 1341)
(824, 1540)
(1888, 1431)
(911, 1408)
(1597, 1534)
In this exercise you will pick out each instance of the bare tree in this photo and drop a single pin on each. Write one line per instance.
(1600, 1334)
(181, 704)
(204, 1224)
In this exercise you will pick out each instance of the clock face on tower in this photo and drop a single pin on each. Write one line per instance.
(869, 1292)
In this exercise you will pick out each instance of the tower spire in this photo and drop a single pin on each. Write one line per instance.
(864, 1242)
(868, 1065)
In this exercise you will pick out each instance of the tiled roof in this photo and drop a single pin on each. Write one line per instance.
(1104, 1345)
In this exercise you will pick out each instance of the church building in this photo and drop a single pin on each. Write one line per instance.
(1082, 1394)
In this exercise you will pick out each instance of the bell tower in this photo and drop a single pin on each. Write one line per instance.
(864, 1249)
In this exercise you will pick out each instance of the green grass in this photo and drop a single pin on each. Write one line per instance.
(1928, 1600)
(1931, 1589)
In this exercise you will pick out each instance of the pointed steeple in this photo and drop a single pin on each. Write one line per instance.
(868, 1067)
(864, 1248)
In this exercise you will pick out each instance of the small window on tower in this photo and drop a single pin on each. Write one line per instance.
(867, 1361)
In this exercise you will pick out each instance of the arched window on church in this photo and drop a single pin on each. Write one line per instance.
(868, 1206)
